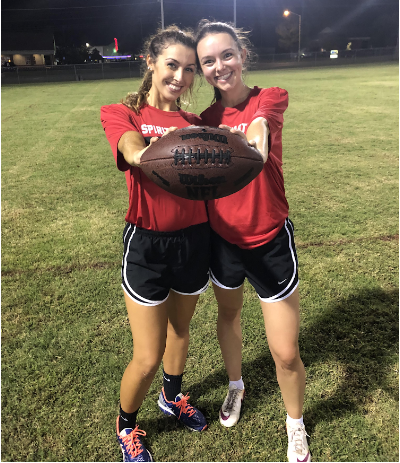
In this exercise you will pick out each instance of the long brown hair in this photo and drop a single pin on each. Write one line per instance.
(206, 27)
(153, 47)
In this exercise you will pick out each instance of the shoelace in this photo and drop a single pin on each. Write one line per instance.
(297, 438)
(132, 442)
(232, 396)
(185, 407)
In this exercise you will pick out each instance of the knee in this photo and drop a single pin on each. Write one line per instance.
(146, 366)
(181, 332)
(229, 314)
(287, 359)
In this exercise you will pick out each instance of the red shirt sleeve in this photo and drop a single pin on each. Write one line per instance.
(273, 103)
(116, 120)
(193, 119)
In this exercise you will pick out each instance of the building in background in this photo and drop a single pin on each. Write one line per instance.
(28, 49)
(110, 53)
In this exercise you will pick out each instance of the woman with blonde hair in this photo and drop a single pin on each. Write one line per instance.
(252, 236)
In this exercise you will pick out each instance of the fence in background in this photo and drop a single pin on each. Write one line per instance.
(70, 72)
(368, 55)
(129, 69)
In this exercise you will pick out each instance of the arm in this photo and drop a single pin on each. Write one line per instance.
(122, 128)
(257, 135)
(258, 132)
(132, 145)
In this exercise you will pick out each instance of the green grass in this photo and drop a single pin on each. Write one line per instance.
(65, 335)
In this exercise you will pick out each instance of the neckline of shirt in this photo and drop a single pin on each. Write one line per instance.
(177, 113)
(241, 105)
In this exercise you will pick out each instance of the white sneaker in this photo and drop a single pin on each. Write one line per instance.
(298, 447)
(230, 411)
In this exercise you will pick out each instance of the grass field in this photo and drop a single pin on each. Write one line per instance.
(65, 335)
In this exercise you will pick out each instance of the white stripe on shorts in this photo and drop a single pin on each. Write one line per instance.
(200, 291)
(137, 298)
(276, 298)
(271, 299)
(215, 281)
(151, 304)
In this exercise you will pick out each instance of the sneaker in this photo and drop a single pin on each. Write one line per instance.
(131, 445)
(230, 411)
(192, 418)
(298, 447)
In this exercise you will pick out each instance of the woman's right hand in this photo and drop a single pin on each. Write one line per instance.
(153, 140)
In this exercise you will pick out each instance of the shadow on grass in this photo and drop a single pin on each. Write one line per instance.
(360, 333)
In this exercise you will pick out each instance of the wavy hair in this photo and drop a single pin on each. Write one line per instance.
(153, 47)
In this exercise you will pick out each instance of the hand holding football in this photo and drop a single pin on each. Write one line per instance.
(201, 163)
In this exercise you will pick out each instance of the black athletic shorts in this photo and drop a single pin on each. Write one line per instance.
(271, 268)
(155, 262)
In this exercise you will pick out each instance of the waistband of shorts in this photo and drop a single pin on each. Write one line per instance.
(176, 233)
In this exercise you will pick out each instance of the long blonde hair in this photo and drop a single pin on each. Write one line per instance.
(153, 47)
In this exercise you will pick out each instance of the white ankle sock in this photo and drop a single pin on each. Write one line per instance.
(239, 384)
(293, 422)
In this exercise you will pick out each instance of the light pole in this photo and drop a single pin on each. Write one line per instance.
(287, 13)
(234, 13)
(162, 13)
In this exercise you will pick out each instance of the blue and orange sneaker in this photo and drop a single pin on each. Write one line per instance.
(189, 416)
(131, 445)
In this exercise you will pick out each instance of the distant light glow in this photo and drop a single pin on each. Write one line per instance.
(116, 44)
(286, 13)
(117, 57)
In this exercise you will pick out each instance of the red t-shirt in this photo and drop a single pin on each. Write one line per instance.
(254, 215)
(150, 207)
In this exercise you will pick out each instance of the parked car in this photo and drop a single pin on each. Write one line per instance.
(304, 54)
(8, 66)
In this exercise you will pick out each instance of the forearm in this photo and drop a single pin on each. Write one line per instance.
(258, 131)
(132, 145)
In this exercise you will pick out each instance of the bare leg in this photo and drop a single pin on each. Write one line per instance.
(149, 332)
(282, 321)
(180, 311)
(229, 330)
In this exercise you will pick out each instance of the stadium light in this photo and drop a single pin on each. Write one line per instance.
(287, 13)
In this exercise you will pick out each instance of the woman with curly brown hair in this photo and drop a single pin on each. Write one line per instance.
(164, 266)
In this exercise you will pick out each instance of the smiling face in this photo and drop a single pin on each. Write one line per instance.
(173, 74)
(221, 61)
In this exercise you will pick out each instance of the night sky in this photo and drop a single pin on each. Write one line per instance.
(131, 21)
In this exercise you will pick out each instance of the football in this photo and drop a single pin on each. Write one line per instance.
(201, 163)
